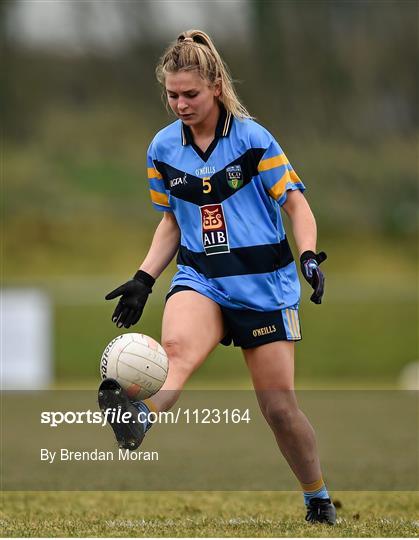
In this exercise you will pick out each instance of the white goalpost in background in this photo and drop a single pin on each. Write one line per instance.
(26, 339)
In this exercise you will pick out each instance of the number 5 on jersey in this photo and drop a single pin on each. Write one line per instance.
(206, 184)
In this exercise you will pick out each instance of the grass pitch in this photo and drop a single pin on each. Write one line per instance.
(203, 514)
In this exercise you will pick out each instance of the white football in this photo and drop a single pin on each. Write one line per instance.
(137, 362)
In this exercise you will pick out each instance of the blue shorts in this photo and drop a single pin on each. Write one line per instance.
(248, 328)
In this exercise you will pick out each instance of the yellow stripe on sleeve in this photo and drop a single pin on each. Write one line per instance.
(153, 173)
(278, 189)
(159, 198)
(294, 177)
(271, 163)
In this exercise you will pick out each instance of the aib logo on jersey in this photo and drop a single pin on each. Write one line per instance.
(214, 229)
(234, 176)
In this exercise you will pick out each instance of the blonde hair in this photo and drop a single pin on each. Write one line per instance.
(192, 50)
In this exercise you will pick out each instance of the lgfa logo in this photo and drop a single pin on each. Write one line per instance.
(176, 181)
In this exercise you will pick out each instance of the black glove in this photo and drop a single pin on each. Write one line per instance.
(134, 294)
(310, 262)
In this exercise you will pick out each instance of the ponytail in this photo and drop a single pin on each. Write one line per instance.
(194, 50)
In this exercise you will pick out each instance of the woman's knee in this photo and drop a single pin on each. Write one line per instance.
(173, 346)
(179, 354)
(280, 414)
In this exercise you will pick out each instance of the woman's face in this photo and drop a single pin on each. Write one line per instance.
(191, 97)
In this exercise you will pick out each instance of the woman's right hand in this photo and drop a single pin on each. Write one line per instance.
(134, 294)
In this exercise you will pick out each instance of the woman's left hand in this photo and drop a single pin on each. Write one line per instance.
(310, 269)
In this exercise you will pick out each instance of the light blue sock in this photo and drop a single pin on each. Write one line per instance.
(319, 494)
(142, 407)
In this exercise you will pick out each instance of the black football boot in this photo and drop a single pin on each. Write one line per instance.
(321, 511)
(112, 396)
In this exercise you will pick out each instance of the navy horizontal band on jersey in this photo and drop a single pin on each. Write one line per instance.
(188, 187)
(239, 261)
(227, 204)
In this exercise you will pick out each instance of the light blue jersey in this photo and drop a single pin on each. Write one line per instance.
(226, 201)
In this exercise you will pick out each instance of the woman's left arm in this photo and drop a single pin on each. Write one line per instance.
(304, 226)
(305, 233)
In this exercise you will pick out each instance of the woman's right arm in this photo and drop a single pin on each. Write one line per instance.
(163, 247)
(134, 293)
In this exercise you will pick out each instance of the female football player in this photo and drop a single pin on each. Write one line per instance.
(220, 180)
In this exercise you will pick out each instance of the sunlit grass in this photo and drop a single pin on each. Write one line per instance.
(203, 514)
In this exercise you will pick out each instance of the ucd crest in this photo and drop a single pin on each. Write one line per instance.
(234, 176)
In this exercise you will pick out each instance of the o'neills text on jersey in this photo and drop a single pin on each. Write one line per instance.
(205, 171)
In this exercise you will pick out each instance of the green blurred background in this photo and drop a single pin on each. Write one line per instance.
(336, 83)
